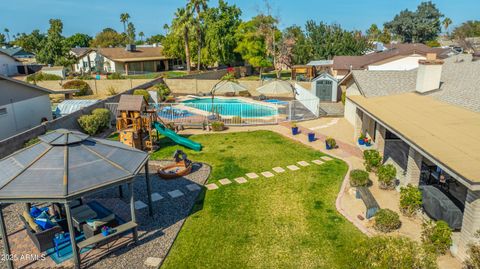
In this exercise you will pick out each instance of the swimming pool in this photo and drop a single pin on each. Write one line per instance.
(232, 107)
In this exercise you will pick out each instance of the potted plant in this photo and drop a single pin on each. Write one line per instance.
(294, 129)
(330, 143)
(361, 139)
(311, 137)
(368, 142)
(105, 230)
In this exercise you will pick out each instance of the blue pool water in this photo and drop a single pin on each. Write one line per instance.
(232, 107)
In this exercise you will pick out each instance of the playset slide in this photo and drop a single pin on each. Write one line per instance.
(177, 138)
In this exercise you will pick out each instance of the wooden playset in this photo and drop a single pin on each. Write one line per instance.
(134, 122)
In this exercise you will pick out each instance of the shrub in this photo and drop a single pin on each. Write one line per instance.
(359, 178)
(39, 76)
(244, 94)
(236, 120)
(372, 159)
(145, 94)
(80, 85)
(331, 142)
(433, 44)
(96, 122)
(473, 260)
(218, 126)
(386, 176)
(115, 76)
(162, 91)
(436, 236)
(343, 97)
(410, 200)
(111, 91)
(387, 220)
(170, 99)
(392, 252)
(85, 76)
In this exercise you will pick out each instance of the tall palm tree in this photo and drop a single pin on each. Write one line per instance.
(8, 33)
(446, 23)
(198, 7)
(124, 19)
(141, 35)
(181, 24)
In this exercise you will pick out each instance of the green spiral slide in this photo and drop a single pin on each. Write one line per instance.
(177, 138)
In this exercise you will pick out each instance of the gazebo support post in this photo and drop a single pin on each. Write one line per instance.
(6, 245)
(149, 191)
(132, 210)
(28, 206)
(120, 191)
(71, 231)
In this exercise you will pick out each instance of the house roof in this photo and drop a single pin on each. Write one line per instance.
(449, 134)
(140, 54)
(6, 54)
(131, 103)
(14, 51)
(66, 164)
(394, 50)
(321, 62)
(460, 83)
(80, 51)
(2, 77)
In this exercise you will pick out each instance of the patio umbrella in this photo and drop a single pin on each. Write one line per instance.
(277, 87)
(228, 86)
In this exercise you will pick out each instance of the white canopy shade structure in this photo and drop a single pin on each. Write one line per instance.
(228, 86)
(277, 87)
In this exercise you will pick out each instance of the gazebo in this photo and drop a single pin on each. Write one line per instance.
(277, 87)
(65, 166)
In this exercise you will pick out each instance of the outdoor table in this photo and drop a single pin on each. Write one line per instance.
(81, 214)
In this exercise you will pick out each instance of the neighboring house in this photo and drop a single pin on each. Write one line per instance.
(389, 57)
(18, 53)
(54, 70)
(22, 106)
(128, 60)
(8, 65)
(426, 122)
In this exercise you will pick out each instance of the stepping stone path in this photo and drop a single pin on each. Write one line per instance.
(267, 174)
(278, 169)
(240, 180)
(156, 197)
(252, 175)
(212, 186)
(293, 167)
(303, 163)
(317, 162)
(175, 193)
(326, 158)
(140, 205)
(152, 262)
(193, 187)
(225, 181)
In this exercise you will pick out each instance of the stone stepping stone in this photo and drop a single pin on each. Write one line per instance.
(152, 262)
(317, 162)
(326, 158)
(212, 186)
(303, 163)
(241, 180)
(252, 175)
(175, 193)
(193, 187)
(267, 174)
(225, 181)
(156, 197)
(278, 169)
(293, 167)
(140, 205)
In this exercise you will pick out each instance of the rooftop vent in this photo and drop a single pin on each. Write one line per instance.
(130, 47)
(379, 47)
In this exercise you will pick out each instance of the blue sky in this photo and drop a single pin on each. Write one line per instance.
(149, 16)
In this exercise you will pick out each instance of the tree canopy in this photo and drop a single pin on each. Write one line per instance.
(78, 40)
(467, 29)
(108, 37)
(30, 42)
(421, 25)
(53, 49)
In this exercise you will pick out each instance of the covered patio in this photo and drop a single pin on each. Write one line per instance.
(58, 172)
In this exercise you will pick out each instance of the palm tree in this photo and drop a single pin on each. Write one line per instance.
(446, 23)
(141, 35)
(8, 33)
(198, 6)
(181, 24)
(124, 19)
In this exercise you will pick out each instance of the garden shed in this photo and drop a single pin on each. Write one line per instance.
(325, 87)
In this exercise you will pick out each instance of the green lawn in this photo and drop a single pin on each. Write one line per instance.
(288, 221)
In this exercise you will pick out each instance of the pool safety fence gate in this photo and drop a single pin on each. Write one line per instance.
(231, 114)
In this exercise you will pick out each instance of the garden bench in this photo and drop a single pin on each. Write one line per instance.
(369, 201)
(99, 237)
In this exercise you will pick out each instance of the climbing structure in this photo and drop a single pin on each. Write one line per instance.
(134, 122)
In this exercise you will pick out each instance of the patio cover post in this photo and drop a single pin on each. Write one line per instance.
(28, 206)
(132, 210)
(120, 190)
(6, 245)
(149, 191)
(71, 231)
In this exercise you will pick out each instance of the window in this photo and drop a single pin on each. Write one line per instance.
(85, 64)
(3, 111)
